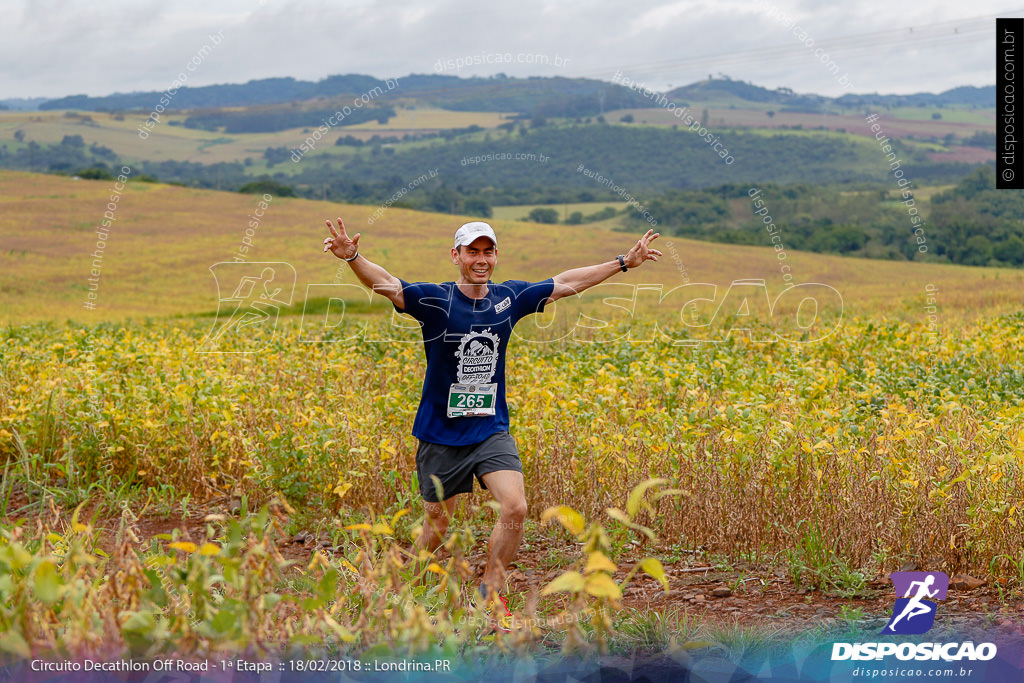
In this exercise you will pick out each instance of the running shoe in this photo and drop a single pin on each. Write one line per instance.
(496, 608)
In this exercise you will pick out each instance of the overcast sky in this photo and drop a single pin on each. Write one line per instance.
(52, 48)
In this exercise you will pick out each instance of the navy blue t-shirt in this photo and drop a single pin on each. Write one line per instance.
(465, 341)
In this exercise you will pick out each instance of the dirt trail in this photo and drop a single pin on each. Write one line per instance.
(746, 595)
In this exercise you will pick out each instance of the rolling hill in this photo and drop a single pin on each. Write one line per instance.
(535, 95)
(157, 255)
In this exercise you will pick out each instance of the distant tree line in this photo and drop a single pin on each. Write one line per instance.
(640, 160)
(971, 224)
(976, 224)
(67, 156)
(273, 120)
(534, 95)
(257, 92)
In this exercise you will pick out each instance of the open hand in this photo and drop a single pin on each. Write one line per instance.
(340, 244)
(642, 251)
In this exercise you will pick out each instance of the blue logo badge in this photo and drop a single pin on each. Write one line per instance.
(914, 613)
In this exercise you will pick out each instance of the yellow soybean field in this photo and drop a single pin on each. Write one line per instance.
(833, 458)
(885, 444)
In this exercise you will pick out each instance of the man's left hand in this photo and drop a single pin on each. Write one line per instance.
(642, 251)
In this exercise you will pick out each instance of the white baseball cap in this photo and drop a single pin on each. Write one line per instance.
(470, 231)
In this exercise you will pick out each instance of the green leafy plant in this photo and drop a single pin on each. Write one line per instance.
(592, 590)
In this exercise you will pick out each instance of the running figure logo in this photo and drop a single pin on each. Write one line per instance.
(247, 317)
(914, 613)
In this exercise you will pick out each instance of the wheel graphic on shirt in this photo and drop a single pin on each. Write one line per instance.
(478, 357)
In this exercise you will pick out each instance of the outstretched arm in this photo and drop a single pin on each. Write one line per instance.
(578, 279)
(369, 273)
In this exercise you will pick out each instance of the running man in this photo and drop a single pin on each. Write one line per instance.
(462, 422)
(249, 308)
(914, 606)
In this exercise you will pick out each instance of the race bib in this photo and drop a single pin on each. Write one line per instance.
(468, 400)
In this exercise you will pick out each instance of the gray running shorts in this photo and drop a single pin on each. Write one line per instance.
(456, 466)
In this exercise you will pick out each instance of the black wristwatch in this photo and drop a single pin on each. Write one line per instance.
(622, 263)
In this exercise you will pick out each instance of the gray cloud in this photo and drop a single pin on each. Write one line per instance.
(59, 47)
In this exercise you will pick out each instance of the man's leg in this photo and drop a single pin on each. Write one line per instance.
(435, 524)
(507, 488)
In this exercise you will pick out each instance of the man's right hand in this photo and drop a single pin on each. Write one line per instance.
(340, 244)
(370, 274)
